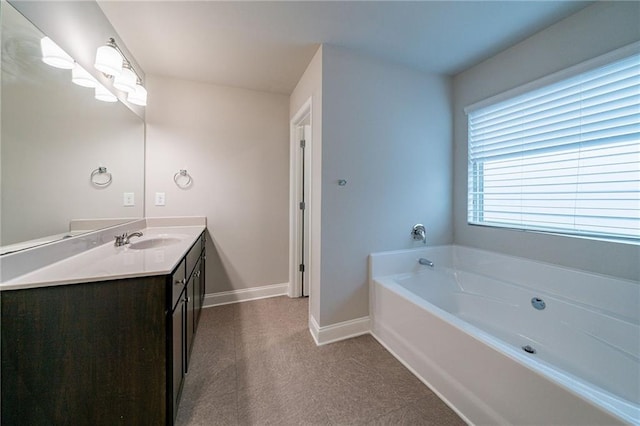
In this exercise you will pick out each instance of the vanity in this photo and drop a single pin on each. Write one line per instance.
(104, 337)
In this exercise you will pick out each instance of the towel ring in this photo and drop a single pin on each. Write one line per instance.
(98, 172)
(181, 173)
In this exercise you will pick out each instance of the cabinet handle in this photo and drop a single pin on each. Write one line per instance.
(182, 281)
(197, 274)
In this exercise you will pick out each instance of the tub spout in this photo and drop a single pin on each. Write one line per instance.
(425, 262)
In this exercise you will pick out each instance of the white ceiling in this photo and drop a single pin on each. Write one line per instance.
(266, 45)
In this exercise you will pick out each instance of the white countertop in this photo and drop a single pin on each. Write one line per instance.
(107, 262)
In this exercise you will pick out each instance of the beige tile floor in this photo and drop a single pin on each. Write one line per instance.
(255, 363)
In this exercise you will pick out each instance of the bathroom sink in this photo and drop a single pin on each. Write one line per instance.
(154, 242)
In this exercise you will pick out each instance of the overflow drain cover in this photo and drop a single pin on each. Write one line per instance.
(528, 349)
(538, 303)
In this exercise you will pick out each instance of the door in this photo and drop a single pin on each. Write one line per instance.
(305, 139)
(302, 213)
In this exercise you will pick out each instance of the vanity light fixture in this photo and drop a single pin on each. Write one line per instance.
(103, 94)
(139, 97)
(53, 55)
(113, 63)
(81, 77)
(109, 59)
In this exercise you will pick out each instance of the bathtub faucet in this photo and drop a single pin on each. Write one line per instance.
(425, 262)
(419, 233)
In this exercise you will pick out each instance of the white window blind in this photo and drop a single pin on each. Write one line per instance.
(563, 158)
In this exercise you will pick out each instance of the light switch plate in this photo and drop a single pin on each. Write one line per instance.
(128, 199)
(159, 198)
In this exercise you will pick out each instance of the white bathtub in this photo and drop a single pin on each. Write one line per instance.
(461, 325)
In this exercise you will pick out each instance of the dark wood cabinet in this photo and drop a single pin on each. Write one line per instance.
(100, 353)
(186, 313)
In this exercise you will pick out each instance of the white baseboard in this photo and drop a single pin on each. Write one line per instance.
(340, 331)
(245, 294)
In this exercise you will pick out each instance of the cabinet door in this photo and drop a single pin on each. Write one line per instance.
(178, 344)
(193, 256)
(85, 354)
(203, 264)
(198, 283)
(178, 280)
(190, 324)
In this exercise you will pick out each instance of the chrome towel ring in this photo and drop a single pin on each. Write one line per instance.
(105, 180)
(179, 179)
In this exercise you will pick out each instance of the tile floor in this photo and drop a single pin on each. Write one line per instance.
(255, 363)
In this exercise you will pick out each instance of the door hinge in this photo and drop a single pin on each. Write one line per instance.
(303, 205)
(301, 268)
(303, 143)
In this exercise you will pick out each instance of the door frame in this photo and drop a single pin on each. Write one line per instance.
(295, 167)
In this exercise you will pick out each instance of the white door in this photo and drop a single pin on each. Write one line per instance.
(304, 132)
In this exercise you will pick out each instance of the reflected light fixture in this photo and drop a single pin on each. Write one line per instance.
(53, 55)
(81, 77)
(109, 59)
(139, 97)
(126, 80)
(103, 94)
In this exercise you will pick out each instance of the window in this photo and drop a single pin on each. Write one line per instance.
(563, 157)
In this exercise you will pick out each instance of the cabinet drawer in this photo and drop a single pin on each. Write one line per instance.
(193, 256)
(178, 280)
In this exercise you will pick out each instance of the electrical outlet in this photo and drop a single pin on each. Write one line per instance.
(159, 198)
(128, 199)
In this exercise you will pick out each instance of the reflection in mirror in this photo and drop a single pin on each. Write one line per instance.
(69, 163)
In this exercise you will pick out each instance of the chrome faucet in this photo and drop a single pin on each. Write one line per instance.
(425, 262)
(128, 237)
(419, 233)
(123, 239)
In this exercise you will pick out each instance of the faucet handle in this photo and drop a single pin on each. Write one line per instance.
(120, 239)
(419, 233)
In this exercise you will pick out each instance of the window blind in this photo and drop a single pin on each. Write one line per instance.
(561, 158)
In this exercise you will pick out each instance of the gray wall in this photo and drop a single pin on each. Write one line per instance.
(591, 32)
(386, 129)
(235, 144)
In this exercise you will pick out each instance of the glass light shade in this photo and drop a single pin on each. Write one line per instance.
(108, 60)
(102, 94)
(139, 97)
(126, 80)
(81, 77)
(53, 55)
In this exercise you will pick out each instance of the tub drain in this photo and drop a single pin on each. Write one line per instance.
(528, 349)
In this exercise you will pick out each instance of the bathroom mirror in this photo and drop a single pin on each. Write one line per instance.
(55, 138)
